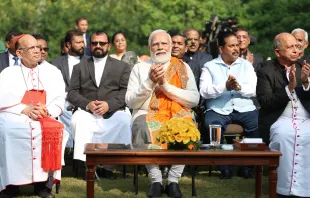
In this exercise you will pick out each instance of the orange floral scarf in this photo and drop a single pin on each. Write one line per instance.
(162, 108)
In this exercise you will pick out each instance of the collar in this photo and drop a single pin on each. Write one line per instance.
(10, 55)
(98, 60)
(220, 61)
(27, 68)
(73, 57)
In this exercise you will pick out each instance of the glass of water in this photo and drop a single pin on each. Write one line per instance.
(215, 135)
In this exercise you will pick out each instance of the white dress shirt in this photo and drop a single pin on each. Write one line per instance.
(99, 67)
(11, 60)
(72, 60)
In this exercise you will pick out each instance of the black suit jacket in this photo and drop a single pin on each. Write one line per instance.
(272, 96)
(199, 56)
(112, 89)
(4, 61)
(61, 63)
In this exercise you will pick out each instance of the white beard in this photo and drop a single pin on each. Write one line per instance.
(161, 59)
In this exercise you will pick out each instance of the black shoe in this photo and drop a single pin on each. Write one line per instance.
(245, 172)
(105, 174)
(10, 191)
(226, 174)
(156, 190)
(173, 190)
(46, 194)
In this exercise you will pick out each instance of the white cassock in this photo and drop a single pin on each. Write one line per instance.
(290, 135)
(20, 136)
(90, 128)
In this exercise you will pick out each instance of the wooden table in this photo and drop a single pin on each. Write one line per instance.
(95, 155)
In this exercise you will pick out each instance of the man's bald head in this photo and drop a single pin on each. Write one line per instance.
(285, 47)
(28, 50)
(277, 42)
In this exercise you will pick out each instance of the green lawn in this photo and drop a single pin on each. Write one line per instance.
(206, 186)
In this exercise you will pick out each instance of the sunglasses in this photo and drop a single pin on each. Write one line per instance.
(44, 48)
(102, 44)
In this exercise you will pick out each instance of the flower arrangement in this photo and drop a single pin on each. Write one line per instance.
(179, 133)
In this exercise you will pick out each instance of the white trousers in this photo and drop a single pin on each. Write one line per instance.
(89, 128)
(294, 168)
(65, 118)
(174, 174)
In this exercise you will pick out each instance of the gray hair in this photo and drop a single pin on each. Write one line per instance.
(158, 31)
(276, 44)
(131, 58)
(300, 30)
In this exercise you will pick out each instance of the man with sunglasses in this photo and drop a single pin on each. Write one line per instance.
(43, 48)
(98, 86)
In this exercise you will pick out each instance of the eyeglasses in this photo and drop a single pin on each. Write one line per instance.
(102, 44)
(31, 49)
(44, 49)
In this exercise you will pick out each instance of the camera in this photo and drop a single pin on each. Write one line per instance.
(214, 27)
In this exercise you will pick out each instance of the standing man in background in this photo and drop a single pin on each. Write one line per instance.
(81, 24)
(9, 58)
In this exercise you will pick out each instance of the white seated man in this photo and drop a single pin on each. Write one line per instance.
(97, 87)
(161, 87)
(283, 92)
(31, 97)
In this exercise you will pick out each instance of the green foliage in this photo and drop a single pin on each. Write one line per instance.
(138, 18)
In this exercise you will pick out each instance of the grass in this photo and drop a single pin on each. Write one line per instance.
(123, 187)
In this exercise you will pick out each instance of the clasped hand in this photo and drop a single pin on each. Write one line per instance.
(232, 84)
(157, 74)
(305, 71)
(98, 107)
(36, 112)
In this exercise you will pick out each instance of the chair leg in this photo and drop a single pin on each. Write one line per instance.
(194, 193)
(124, 171)
(135, 179)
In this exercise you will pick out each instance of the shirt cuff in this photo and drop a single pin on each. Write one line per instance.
(165, 86)
(222, 87)
(149, 84)
(306, 89)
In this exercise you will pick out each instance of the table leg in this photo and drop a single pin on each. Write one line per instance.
(258, 182)
(272, 181)
(90, 179)
(135, 179)
(194, 193)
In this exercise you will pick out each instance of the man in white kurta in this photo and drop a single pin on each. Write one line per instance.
(283, 93)
(20, 133)
(144, 79)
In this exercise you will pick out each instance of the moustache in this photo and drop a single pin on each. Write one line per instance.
(97, 48)
(159, 52)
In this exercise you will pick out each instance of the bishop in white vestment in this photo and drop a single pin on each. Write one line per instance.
(20, 130)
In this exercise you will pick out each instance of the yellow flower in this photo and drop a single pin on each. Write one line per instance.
(186, 139)
(178, 138)
(171, 138)
(194, 138)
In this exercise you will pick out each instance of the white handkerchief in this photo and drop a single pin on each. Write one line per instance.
(252, 140)
(227, 147)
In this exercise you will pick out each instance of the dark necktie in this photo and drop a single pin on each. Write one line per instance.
(15, 60)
